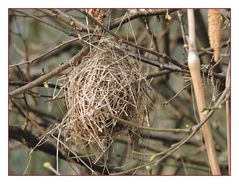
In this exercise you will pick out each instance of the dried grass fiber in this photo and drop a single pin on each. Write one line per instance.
(107, 81)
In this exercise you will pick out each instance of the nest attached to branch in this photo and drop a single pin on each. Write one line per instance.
(106, 82)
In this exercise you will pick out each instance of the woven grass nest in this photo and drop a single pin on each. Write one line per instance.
(106, 82)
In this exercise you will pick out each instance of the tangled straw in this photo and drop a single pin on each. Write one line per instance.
(106, 82)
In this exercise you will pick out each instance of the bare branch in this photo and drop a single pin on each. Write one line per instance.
(69, 20)
(137, 14)
(75, 59)
(47, 53)
(44, 22)
(177, 130)
(162, 155)
(31, 141)
(164, 56)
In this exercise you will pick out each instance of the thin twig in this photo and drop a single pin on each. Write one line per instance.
(165, 66)
(22, 83)
(25, 114)
(150, 32)
(172, 67)
(180, 17)
(157, 74)
(183, 88)
(47, 53)
(73, 60)
(168, 138)
(179, 104)
(164, 56)
(69, 20)
(31, 141)
(49, 24)
(210, 50)
(177, 130)
(178, 145)
(133, 15)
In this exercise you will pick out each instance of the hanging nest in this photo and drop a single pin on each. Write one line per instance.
(107, 82)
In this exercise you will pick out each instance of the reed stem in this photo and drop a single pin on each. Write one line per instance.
(194, 67)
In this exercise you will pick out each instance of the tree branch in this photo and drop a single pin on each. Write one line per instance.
(155, 159)
(47, 53)
(31, 141)
(77, 58)
(164, 56)
(44, 22)
(22, 83)
(152, 12)
(129, 123)
(69, 20)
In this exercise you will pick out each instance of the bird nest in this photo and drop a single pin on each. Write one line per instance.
(107, 83)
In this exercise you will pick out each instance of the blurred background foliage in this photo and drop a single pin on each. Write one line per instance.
(29, 38)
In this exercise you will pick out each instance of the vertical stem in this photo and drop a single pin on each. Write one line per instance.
(228, 119)
(194, 67)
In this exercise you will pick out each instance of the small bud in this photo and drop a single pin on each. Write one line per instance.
(149, 169)
(185, 46)
(46, 85)
(72, 23)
